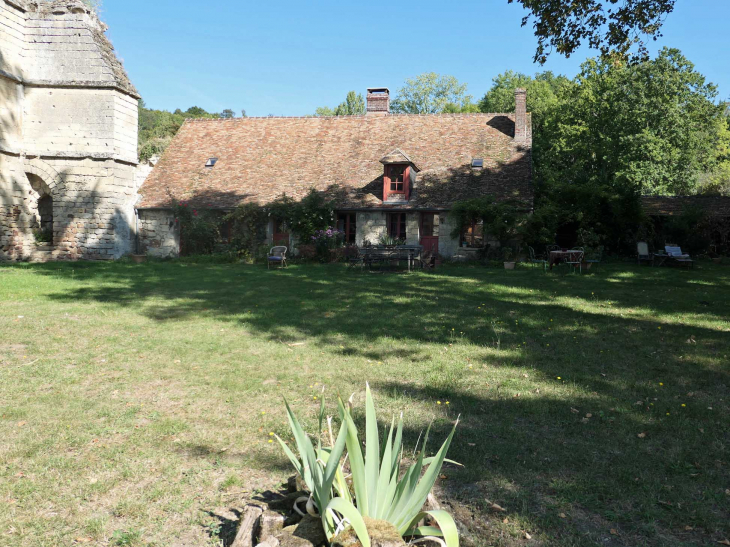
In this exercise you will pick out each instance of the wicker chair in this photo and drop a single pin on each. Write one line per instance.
(277, 255)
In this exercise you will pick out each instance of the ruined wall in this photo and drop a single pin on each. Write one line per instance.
(68, 118)
(158, 235)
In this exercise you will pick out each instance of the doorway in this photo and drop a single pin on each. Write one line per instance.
(429, 233)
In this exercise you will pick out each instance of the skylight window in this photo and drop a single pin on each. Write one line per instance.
(211, 162)
(477, 163)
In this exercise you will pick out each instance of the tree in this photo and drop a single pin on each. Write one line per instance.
(543, 94)
(431, 93)
(651, 127)
(353, 105)
(227, 114)
(613, 30)
(158, 127)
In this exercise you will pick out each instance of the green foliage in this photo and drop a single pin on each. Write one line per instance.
(248, 229)
(613, 30)
(304, 218)
(431, 93)
(43, 236)
(199, 229)
(158, 127)
(614, 133)
(379, 493)
(686, 230)
(390, 241)
(501, 219)
(650, 127)
(227, 113)
(353, 105)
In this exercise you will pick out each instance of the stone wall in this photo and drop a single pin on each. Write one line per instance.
(158, 234)
(68, 135)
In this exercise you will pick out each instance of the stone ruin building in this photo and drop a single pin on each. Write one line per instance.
(68, 136)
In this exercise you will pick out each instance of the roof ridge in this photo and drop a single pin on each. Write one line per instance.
(352, 116)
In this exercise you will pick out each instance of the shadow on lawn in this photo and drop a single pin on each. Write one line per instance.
(540, 454)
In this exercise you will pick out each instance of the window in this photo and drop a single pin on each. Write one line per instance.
(477, 163)
(396, 174)
(397, 225)
(347, 223)
(211, 162)
(473, 235)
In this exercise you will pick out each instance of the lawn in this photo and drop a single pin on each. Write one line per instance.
(137, 401)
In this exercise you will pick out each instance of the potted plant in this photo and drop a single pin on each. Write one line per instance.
(508, 255)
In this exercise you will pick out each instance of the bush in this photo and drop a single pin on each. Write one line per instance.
(248, 230)
(199, 229)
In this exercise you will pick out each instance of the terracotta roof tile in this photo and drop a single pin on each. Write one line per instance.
(260, 159)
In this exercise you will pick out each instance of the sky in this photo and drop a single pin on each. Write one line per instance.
(287, 57)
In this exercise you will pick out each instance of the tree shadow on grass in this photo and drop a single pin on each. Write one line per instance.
(612, 336)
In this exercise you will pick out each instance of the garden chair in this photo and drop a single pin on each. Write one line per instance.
(643, 254)
(675, 254)
(534, 259)
(277, 255)
(575, 258)
(595, 257)
(353, 256)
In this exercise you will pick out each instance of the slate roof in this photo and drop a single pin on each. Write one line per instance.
(259, 159)
(675, 205)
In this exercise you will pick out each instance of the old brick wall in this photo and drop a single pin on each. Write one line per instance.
(68, 118)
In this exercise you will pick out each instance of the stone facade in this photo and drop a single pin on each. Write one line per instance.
(68, 136)
(158, 234)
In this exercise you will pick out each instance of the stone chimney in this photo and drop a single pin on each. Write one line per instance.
(520, 114)
(378, 101)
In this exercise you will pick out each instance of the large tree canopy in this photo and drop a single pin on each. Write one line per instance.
(431, 93)
(614, 27)
(651, 127)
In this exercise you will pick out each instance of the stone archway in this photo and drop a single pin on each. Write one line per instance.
(40, 206)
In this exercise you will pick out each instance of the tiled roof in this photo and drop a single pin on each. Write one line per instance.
(260, 159)
(675, 205)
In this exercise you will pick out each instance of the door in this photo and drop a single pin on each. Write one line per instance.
(429, 233)
(280, 234)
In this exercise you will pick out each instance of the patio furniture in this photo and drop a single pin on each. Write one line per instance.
(643, 254)
(381, 255)
(594, 257)
(563, 256)
(277, 255)
(535, 259)
(575, 258)
(675, 254)
(353, 256)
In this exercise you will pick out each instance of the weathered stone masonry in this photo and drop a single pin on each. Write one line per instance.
(68, 135)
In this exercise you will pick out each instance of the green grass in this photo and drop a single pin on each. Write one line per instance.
(137, 400)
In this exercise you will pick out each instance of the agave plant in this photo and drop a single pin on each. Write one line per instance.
(380, 491)
(320, 467)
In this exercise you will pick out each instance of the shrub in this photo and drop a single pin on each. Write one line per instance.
(199, 229)
(380, 491)
(248, 230)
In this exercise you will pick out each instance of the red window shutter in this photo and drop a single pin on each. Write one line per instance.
(386, 183)
(407, 181)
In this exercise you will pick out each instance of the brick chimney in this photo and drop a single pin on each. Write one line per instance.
(378, 101)
(520, 114)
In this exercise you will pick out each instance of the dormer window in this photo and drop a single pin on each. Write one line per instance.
(211, 162)
(397, 176)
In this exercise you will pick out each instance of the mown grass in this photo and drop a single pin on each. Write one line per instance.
(135, 400)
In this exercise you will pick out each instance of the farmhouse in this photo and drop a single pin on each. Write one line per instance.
(388, 174)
